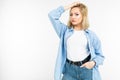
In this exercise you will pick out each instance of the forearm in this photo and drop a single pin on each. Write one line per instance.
(56, 13)
(67, 7)
(98, 60)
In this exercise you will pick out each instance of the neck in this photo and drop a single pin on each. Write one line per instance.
(78, 27)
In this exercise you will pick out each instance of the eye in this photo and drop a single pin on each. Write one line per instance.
(76, 14)
(71, 14)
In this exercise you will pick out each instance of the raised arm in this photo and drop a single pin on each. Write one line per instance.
(54, 16)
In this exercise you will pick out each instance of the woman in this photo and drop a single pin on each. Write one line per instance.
(79, 53)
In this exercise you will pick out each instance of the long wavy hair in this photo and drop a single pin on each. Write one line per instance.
(84, 11)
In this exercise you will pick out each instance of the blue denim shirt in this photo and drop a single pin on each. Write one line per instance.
(63, 32)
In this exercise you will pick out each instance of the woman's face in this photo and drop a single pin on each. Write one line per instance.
(75, 16)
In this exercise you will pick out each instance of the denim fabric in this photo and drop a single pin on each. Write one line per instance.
(73, 72)
(63, 32)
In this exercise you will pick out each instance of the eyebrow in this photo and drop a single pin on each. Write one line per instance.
(75, 13)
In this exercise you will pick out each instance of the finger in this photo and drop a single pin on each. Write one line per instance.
(82, 65)
(75, 3)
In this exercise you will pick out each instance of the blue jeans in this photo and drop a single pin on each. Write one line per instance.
(73, 72)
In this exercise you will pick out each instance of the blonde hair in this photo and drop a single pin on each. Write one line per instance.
(84, 12)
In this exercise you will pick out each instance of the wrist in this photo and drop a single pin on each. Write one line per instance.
(71, 5)
(93, 62)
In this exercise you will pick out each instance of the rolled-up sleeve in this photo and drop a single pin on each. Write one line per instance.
(54, 16)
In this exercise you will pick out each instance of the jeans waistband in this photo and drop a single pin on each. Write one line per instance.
(79, 63)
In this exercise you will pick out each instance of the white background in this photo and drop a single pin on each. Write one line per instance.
(29, 44)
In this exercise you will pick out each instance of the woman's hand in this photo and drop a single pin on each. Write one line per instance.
(71, 5)
(89, 65)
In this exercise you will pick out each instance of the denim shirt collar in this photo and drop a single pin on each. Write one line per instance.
(71, 29)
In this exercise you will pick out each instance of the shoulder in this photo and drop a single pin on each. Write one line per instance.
(92, 34)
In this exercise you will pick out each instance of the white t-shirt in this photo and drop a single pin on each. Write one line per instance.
(77, 46)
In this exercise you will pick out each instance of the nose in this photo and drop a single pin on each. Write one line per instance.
(73, 16)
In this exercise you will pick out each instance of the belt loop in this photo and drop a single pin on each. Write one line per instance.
(81, 63)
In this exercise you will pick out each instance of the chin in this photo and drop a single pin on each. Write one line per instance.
(74, 24)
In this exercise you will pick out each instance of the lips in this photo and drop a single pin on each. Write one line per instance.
(73, 21)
